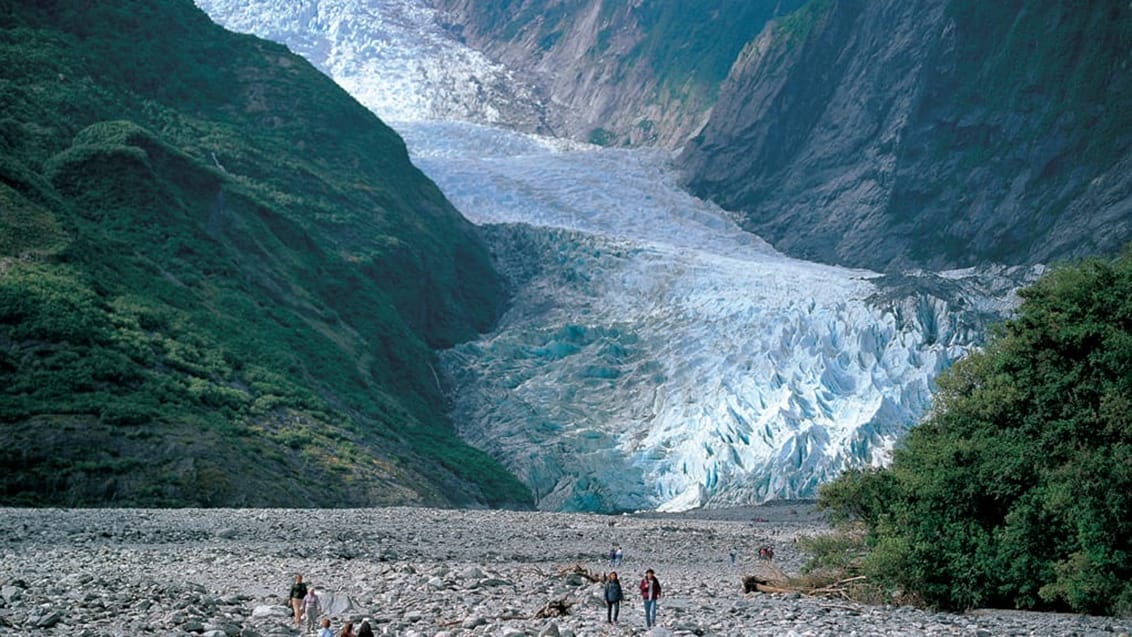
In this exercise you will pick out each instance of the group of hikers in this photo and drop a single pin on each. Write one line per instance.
(650, 593)
(615, 556)
(306, 610)
(305, 606)
(305, 603)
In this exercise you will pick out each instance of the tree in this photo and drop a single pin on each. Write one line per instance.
(1016, 489)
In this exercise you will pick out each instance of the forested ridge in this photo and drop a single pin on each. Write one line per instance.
(220, 276)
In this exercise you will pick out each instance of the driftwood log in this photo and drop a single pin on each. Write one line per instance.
(582, 571)
(840, 588)
(554, 608)
(751, 583)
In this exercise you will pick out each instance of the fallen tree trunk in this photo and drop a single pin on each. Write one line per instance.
(839, 588)
(578, 569)
(554, 608)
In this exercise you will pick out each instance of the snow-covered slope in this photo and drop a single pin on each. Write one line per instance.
(655, 355)
(389, 55)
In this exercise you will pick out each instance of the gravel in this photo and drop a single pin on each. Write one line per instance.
(418, 572)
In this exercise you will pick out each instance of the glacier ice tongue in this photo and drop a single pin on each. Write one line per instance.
(391, 55)
(632, 375)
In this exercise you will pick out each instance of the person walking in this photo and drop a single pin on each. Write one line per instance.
(311, 609)
(650, 592)
(613, 597)
(298, 592)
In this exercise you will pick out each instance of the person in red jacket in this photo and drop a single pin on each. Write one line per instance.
(650, 592)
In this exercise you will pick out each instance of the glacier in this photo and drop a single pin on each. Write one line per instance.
(654, 355)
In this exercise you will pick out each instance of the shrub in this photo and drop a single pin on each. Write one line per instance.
(1016, 489)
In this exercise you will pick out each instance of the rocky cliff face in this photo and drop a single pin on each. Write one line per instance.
(887, 134)
(617, 73)
(940, 134)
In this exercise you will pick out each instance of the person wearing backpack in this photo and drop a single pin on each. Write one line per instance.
(613, 597)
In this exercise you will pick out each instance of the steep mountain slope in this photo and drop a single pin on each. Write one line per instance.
(887, 135)
(617, 72)
(895, 134)
(220, 276)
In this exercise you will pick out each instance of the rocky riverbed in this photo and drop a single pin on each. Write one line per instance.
(428, 572)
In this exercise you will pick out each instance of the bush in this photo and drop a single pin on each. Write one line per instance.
(1016, 490)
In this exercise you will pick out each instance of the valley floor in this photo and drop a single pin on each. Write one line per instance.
(430, 572)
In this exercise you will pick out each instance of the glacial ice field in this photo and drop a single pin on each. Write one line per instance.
(654, 354)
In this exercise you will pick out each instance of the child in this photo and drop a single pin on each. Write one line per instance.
(325, 631)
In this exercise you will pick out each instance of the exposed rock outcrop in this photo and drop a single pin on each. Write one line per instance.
(888, 135)
(940, 134)
(617, 73)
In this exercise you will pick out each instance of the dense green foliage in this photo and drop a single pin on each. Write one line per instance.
(1016, 490)
(220, 276)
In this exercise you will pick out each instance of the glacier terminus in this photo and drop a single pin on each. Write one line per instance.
(654, 355)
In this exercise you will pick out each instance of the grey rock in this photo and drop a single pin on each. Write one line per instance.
(876, 171)
(250, 571)
(493, 581)
(271, 611)
(473, 622)
(48, 619)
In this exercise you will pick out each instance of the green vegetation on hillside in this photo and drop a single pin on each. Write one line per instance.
(693, 43)
(1016, 491)
(220, 276)
(797, 27)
